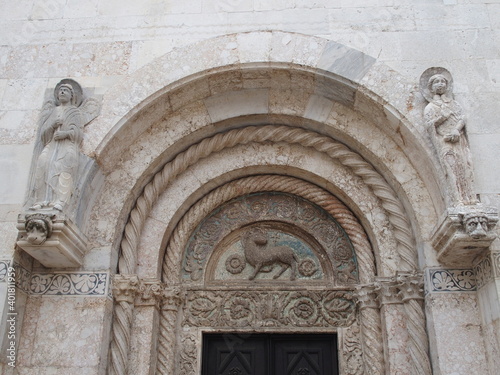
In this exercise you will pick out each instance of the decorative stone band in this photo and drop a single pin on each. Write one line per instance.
(269, 308)
(450, 280)
(81, 283)
(487, 269)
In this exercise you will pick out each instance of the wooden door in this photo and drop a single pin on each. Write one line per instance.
(269, 354)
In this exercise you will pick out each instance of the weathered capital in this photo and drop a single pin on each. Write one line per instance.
(149, 292)
(125, 288)
(366, 296)
(388, 291)
(411, 286)
(172, 298)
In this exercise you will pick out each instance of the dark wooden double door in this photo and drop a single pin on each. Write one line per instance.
(269, 354)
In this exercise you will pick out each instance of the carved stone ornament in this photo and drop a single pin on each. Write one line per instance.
(445, 122)
(52, 239)
(353, 350)
(58, 151)
(464, 233)
(261, 308)
(125, 287)
(149, 293)
(46, 230)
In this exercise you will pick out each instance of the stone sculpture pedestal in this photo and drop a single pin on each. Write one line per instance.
(64, 245)
(459, 245)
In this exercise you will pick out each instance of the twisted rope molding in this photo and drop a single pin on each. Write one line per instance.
(180, 236)
(128, 258)
(275, 133)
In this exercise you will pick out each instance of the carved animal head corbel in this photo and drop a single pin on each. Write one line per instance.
(475, 224)
(38, 228)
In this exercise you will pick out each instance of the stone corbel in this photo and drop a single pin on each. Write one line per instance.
(463, 234)
(52, 239)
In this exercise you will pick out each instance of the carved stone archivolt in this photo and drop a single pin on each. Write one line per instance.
(400, 225)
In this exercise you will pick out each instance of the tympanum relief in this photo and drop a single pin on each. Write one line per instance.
(46, 229)
(266, 237)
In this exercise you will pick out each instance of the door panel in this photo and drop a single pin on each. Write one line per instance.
(269, 354)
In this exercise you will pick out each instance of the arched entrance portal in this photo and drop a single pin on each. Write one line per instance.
(260, 263)
(303, 139)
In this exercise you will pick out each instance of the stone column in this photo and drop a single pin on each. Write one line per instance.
(371, 330)
(145, 327)
(171, 302)
(394, 321)
(411, 288)
(487, 271)
(125, 288)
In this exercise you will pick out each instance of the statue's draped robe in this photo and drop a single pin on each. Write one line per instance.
(57, 164)
(455, 155)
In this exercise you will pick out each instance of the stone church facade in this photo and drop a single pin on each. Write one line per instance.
(177, 173)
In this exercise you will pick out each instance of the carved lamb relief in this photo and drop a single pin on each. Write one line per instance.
(269, 237)
(259, 252)
(45, 230)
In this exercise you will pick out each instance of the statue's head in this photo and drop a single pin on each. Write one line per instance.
(38, 227)
(68, 91)
(65, 94)
(438, 84)
(476, 225)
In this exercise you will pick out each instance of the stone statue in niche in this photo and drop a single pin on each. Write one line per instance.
(259, 253)
(446, 122)
(61, 134)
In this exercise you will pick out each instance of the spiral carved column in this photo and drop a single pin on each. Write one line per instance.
(171, 301)
(411, 291)
(125, 288)
(371, 329)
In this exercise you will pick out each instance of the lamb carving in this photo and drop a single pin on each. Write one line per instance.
(259, 253)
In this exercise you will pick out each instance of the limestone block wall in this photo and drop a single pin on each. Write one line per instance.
(101, 42)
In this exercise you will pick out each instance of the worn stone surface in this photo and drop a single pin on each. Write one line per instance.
(174, 73)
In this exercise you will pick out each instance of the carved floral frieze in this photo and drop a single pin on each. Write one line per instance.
(70, 284)
(451, 280)
(257, 309)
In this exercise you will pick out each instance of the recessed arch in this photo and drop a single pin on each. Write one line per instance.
(331, 101)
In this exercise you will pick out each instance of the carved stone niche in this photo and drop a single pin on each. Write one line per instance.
(52, 239)
(464, 233)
